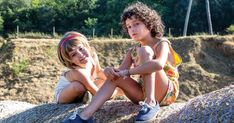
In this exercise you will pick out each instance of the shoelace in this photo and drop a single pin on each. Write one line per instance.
(73, 116)
(144, 106)
(76, 112)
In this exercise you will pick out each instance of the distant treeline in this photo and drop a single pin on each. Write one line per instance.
(103, 16)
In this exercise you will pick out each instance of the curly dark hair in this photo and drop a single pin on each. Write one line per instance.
(148, 16)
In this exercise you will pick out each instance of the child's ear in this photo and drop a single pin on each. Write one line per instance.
(73, 65)
(158, 35)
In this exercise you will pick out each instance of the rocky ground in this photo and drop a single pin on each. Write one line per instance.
(213, 107)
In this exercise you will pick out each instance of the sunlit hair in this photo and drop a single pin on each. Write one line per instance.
(148, 16)
(70, 40)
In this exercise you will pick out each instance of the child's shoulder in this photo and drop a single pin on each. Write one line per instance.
(161, 40)
(75, 74)
(133, 47)
(164, 39)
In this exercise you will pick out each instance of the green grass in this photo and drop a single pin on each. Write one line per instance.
(19, 67)
(50, 51)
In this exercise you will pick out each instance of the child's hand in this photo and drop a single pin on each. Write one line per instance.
(111, 73)
(123, 73)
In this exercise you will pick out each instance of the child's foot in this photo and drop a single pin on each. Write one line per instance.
(87, 97)
(147, 113)
(75, 118)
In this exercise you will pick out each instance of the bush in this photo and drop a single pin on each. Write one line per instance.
(230, 29)
(19, 67)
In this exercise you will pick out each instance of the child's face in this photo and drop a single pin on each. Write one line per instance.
(136, 29)
(79, 55)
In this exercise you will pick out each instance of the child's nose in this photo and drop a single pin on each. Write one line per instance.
(79, 52)
(132, 29)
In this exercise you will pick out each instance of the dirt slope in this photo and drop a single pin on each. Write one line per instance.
(29, 68)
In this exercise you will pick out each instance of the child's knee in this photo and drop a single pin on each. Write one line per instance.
(145, 53)
(78, 87)
(115, 82)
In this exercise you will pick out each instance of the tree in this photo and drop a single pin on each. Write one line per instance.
(187, 18)
(209, 17)
(13, 5)
(1, 24)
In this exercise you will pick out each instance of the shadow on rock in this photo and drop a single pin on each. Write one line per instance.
(217, 106)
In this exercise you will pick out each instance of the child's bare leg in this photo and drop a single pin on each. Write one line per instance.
(72, 91)
(149, 85)
(99, 83)
(132, 90)
(117, 91)
(149, 108)
(104, 93)
(161, 85)
(146, 53)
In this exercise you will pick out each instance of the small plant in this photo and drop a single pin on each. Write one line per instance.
(19, 67)
(201, 34)
(50, 51)
(230, 29)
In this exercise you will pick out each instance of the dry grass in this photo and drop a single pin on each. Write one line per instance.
(207, 65)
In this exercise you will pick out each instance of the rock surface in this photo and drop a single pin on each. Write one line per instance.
(217, 106)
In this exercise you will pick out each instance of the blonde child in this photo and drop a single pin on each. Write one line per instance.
(153, 59)
(84, 73)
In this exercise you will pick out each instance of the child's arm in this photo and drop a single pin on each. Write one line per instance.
(99, 70)
(112, 73)
(81, 76)
(127, 61)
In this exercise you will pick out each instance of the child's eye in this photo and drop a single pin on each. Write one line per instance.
(128, 27)
(80, 48)
(73, 54)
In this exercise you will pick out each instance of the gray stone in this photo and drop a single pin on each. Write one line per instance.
(217, 106)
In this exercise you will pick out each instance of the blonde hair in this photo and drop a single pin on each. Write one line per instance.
(70, 40)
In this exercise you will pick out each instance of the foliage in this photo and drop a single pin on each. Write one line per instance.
(230, 29)
(1, 24)
(19, 67)
(104, 15)
(12, 6)
(35, 3)
(91, 22)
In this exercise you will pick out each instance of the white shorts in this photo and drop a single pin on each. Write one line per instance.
(62, 83)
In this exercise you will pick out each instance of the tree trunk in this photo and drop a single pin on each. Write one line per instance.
(187, 18)
(209, 17)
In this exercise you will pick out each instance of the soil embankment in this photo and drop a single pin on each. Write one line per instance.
(30, 68)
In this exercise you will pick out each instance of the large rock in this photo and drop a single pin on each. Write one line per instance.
(217, 106)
